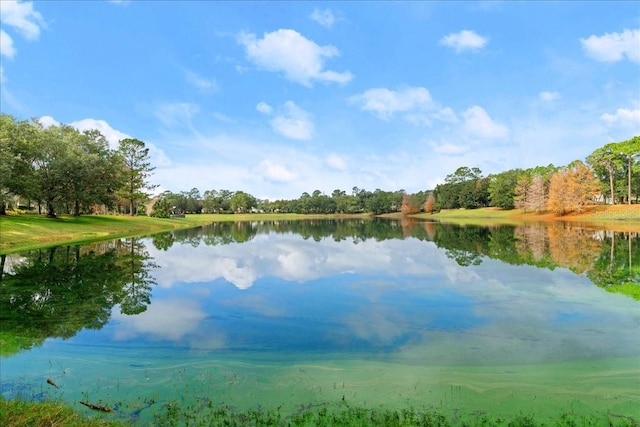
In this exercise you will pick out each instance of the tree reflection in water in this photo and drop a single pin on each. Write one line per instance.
(610, 259)
(59, 291)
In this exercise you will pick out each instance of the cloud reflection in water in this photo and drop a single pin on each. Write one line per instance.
(402, 297)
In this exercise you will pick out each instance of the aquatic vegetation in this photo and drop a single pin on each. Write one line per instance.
(204, 413)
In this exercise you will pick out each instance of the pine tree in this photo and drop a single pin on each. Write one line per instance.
(520, 192)
(137, 170)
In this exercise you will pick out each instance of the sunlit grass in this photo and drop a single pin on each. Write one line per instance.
(19, 413)
(25, 232)
(623, 213)
(622, 217)
(482, 216)
(478, 213)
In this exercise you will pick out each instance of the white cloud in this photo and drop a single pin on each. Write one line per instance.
(622, 117)
(293, 122)
(300, 59)
(336, 162)
(323, 17)
(549, 96)
(241, 70)
(203, 84)
(448, 148)
(385, 102)
(264, 108)
(6, 45)
(613, 47)
(478, 123)
(464, 40)
(275, 172)
(22, 17)
(222, 117)
(48, 121)
(446, 115)
(176, 114)
(158, 156)
(112, 135)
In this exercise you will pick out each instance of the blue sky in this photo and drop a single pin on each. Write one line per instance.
(278, 98)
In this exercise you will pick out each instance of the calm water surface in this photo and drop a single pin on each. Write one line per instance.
(502, 320)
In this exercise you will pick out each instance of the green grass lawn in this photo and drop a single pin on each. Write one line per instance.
(482, 216)
(30, 231)
(24, 232)
(619, 214)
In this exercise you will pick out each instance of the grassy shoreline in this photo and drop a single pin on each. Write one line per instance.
(615, 218)
(23, 413)
(24, 232)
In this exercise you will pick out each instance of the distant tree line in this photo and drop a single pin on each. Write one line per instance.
(611, 174)
(226, 201)
(60, 169)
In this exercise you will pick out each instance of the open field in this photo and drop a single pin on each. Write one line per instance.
(617, 217)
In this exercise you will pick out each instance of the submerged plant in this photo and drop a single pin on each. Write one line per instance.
(203, 413)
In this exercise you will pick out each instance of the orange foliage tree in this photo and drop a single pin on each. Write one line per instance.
(430, 204)
(408, 207)
(572, 188)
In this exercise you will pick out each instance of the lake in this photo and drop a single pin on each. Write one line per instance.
(286, 316)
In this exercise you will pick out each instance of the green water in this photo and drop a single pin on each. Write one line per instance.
(382, 314)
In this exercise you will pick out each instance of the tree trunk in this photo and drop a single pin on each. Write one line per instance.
(630, 251)
(629, 184)
(612, 254)
(2, 261)
(613, 197)
(50, 211)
